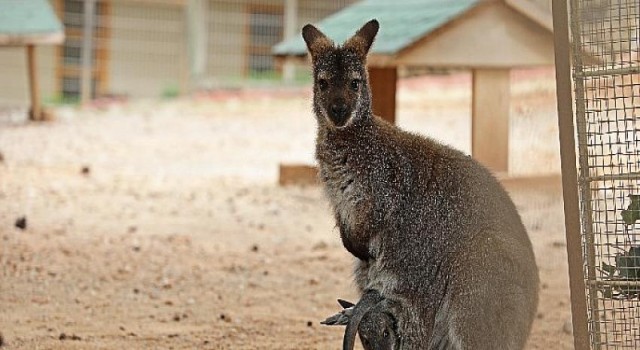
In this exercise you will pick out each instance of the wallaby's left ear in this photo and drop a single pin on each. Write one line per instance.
(363, 39)
(316, 40)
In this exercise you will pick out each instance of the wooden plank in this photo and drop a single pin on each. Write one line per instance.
(490, 118)
(35, 112)
(570, 176)
(297, 174)
(383, 83)
(28, 39)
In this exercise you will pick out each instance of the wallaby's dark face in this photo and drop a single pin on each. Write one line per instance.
(377, 331)
(341, 88)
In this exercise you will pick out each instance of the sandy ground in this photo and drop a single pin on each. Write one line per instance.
(176, 236)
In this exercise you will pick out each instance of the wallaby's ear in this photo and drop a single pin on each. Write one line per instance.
(363, 39)
(315, 39)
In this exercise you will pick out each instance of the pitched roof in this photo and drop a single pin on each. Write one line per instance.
(402, 23)
(29, 22)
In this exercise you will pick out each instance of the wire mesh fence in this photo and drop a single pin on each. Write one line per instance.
(606, 63)
(155, 48)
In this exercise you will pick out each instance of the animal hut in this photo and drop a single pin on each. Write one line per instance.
(488, 37)
(30, 23)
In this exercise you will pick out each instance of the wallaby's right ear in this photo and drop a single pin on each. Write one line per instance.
(315, 39)
(363, 39)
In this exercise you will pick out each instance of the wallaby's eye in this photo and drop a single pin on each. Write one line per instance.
(385, 333)
(323, 84)
(355, 84)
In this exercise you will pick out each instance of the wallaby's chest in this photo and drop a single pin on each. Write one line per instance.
(344, 186)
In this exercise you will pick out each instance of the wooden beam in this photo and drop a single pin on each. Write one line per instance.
(490, 118)
(35, 111)
(31, 39)
(572, 219)
(533, 11)
(297, 174)
(383, 83)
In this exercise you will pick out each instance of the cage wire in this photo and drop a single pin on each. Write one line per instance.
(145, 48)
(606, 66)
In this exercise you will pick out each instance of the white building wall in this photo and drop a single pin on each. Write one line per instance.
(14, 83)
(147, 49)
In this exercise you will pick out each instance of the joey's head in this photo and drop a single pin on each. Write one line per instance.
(341, 91)
(377, 331)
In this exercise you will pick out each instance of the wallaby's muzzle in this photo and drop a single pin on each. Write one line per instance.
(339, 113)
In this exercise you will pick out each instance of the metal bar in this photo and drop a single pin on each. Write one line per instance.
(583, 161)
(614, 283)
(196, 12)
(569, 176)
(86, 85)
(612, 177)
(608, 71)
(290, 30)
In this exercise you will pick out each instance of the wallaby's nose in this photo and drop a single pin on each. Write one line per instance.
(339, 110)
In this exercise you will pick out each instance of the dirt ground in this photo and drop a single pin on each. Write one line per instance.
(159, 224)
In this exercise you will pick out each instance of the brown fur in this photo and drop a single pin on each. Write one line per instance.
(433, 231)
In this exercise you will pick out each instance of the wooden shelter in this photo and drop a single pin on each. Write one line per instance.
(30, 23)
(489, 37)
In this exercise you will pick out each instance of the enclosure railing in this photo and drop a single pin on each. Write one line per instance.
(605, 72)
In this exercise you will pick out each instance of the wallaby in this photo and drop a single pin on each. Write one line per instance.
(434, 233)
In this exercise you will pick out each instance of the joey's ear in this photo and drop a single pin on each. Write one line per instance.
(345, 304)
(315, 39)
(363, 39)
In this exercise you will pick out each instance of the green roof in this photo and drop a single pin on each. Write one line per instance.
(27, 18)
(402, 22)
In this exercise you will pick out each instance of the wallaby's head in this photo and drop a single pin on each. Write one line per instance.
(341, 91)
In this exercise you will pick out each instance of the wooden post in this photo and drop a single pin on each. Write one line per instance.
(383, 83)
(490, 118)
(290, 30)
(35, 112)
(196, 13)
(86, 55)
(570, 178)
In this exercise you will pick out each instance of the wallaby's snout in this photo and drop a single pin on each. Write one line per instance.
(340, 92)
(339, 112)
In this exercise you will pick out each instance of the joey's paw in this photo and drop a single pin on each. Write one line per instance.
(342, 317)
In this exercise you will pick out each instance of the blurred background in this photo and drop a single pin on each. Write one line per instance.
(155, 48)
(144, 209)
(166, 47)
